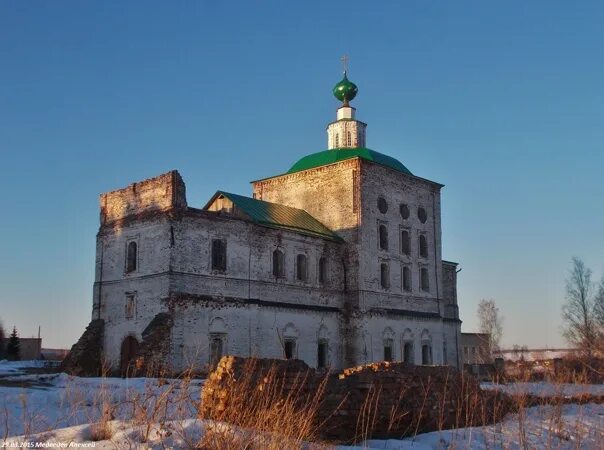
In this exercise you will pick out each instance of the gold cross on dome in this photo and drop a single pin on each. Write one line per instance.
(344, 60)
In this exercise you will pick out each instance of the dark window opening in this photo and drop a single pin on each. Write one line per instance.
(382, 205)
(406, 279)
(426, 354)
(289, 349)
(278, 264)
(424, 280)
(349, 139)
(322, 269)
(404, 210)
(301, 268)
(408, 352)
(131, 257)
(405, 243)
(423, 246)
(422, 215)
(384, 276)
(322, 354)
(388, 350)
(218, 255)
(383, 236)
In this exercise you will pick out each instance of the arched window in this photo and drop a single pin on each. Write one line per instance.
(349, 139)
(322, 269)
(405, 243)
(219, 255)
(424, 279)
(388, 349)
(278, 264)
(406, 279)
(384, 276)
(301, 267)
(383, 236)
(131, 257)
(423, 246)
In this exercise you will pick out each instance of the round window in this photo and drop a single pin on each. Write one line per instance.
(382, 205)
(404, 211)
(422, 215)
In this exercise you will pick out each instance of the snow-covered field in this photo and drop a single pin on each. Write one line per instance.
(57, 410)
(543, 389)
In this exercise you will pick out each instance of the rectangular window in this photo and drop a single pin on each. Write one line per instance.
(290, 349)
(131, 256)
(218, 255)
(130, 308)
(216, 349)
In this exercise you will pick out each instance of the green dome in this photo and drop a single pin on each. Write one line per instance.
(336, 155)
(345, 90)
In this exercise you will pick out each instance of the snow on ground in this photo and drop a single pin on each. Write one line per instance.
(57, 409)
(568, 427)
(48, 402)
(18, 367)
(543, 389)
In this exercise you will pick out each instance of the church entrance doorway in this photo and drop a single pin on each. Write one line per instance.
(128, 355)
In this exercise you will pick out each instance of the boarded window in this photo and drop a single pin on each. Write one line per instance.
(322, 349)
(423, 246)
(278, 264)
(383, 236)
(301, 268)
(405, 242)
(406, 279)
(322, 269)
(131, 257)
(424, 279)
(216, 349)
(130, 306)
(388, 349)
(289, 349)
(384, 276)
(218, 255)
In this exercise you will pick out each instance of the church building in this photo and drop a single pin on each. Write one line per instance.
(337, 262)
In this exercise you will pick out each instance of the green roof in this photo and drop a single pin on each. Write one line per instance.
(278, 216)
(340, 154)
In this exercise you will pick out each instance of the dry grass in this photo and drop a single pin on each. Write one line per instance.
(268, 414)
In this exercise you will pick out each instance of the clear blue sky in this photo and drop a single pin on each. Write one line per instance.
(503, 102)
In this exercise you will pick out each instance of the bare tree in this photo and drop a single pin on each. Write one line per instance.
(580, 311)
(491, 323)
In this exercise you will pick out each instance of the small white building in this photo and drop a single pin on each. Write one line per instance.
(336, 262)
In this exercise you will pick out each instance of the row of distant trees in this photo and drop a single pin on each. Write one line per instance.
(582, 313)
(13, 348)
(583, 310)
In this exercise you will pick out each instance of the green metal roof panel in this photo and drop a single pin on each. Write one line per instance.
(280, 216)
(336, 155)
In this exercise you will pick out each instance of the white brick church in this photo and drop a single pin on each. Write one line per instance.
(336, 262)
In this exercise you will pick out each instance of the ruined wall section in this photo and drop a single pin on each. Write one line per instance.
(161, 193)
(398, 189)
